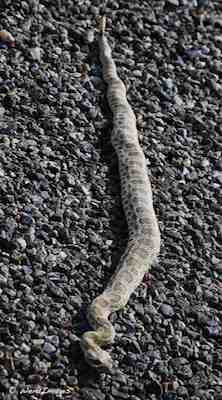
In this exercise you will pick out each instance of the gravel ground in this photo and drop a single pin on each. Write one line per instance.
(62, 228)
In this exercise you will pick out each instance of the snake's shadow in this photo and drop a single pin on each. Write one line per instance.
(108, 156)
(118, 223)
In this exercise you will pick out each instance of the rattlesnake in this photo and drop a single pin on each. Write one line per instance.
(144, 237)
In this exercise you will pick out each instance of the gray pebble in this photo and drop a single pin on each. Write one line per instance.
(167, 310)
(49, 348)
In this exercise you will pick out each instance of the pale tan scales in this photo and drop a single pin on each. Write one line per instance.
(144, 236)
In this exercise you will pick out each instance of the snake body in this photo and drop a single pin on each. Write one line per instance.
(144, 236)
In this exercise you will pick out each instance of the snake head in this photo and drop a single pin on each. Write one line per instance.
(99, 359)
(100, 23)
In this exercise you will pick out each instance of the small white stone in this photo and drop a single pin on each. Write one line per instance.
(205, 163)
(63, 255)
(6, 141)
(137, 73)
(90, 36)
(36, 53)
(174, 3)
(187, 162)
(22, 243)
